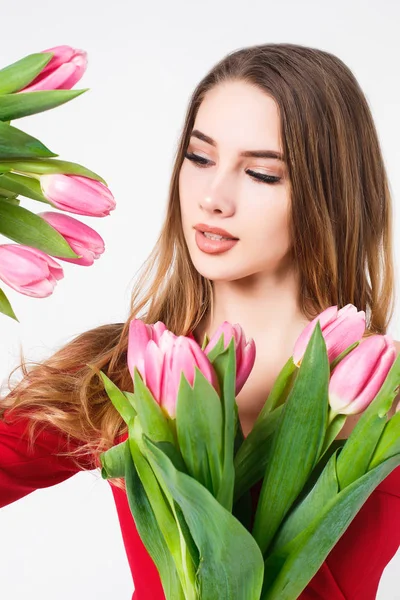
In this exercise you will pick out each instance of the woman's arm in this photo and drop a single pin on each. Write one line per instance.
(24, 469)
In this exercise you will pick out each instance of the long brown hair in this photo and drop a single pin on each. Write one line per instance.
(341, 227)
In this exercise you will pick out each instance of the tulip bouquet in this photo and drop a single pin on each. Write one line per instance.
(188, 468)
(36, 83)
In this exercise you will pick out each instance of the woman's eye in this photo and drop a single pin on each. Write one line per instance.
(202, 162)
(263, 177)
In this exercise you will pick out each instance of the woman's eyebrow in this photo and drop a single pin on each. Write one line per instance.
(247, 153)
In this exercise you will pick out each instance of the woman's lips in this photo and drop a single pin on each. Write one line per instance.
(213, 246)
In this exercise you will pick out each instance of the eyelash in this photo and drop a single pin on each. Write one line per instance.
(258, 177)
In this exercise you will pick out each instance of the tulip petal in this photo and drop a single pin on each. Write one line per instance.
(87, 257)
(345, 330)
(378, 376)
(53, 80)
(39, 289)
(28, 270)
(165, 341)
(352, 374)
(181, 363)
(203, 363)
(246, 365)
(157, 330)
(239, 342)
(61, 55)
(138, 338)
(154, 361)
(74, 229)
(76, 194)
(96, 186)
(221, 330)
(324, 318)
(169, 385)
(80, 65)
(63, 71)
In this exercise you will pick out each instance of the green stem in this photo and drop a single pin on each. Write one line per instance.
(331, 415)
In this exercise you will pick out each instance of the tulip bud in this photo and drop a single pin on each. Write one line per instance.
(357, 379)
(340, 329)
(245, 351)
(77, 194)
(62, 72)
(161, 357)
(84, 240)
(29, 270)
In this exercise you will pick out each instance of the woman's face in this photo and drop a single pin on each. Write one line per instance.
(222, 190)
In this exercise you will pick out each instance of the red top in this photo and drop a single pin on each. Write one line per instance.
(351, 571)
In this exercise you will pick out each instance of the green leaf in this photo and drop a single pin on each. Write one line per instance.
(42, 166)
(152, 418)
(19, 74)
(16, 106)
(163, 506)
(342, 355)
(251, 459)
(332, 432)
(6, 194)
(15, 143)
(389, 442)
(291, 568)
(205, 341)
(317, 470)
(23, 185)
(199, 429)
(296, 442)
(25, 227)
(243, 510)
(223, 572)
(113, 461)
(11, 199)
(326, 487)
(149, 531)
(118, 398)
(357, 453)
(239, 437)
(218, 348)
(5, 306)
(280, 390)
(224, 363)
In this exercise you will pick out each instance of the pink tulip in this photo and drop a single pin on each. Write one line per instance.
(356, 380)
(84, 240)
(161, 357)
(29, 270)
(340, 329)
(245, 351)
(77, 194)
(62, 72)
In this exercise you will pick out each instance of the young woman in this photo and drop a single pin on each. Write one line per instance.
(278, 151)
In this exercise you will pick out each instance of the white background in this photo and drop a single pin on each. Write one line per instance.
(144, 61)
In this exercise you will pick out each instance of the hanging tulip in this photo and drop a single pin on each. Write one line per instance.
(29, 270)
(76, 194)
(62, 72)
(84, 240)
